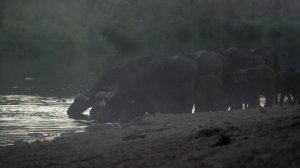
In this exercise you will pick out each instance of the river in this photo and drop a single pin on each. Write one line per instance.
(27, 118)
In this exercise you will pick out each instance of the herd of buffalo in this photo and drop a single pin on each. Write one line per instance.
(205, 80)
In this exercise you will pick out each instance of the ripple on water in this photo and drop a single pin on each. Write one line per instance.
(30, 118)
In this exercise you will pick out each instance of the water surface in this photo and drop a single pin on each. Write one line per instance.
(29, 118)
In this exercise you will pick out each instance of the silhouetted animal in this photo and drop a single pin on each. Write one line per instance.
(149, 84)
(269, 56)
(86, 99)
(239, 59)
(288, 84)
(250, 83)
(209, 92)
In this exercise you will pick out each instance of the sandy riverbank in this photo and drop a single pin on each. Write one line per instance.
(248, 138)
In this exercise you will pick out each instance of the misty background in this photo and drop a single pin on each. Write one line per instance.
(57, 47)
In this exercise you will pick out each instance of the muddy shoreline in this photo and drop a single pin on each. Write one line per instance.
(249, 138)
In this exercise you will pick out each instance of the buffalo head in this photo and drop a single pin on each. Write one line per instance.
(81, 103)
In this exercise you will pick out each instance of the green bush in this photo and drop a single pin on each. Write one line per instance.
(67, 44)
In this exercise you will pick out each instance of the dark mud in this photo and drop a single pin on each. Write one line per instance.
(246, 138)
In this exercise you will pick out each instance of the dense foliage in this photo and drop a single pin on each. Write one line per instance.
(65, 44)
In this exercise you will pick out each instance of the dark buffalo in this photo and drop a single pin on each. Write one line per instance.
(149, 85)
(212, 68)
(250, 83)
(239, 59)
(269, 57)
(288, 84)
(86, 99)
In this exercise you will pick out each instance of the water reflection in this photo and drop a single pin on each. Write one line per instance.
(30, 118)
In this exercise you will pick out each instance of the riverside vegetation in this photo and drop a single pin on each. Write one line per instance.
(58, 46)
